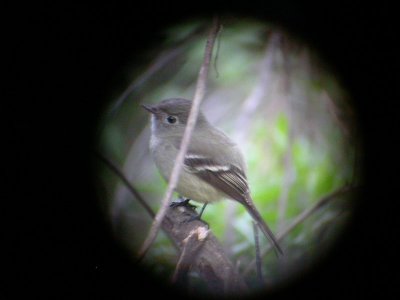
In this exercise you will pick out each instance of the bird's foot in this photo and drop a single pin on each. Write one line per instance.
(185, 203)
(182, 202)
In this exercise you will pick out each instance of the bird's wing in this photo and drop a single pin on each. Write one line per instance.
(227, 178)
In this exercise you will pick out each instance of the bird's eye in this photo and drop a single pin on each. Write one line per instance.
(171, 119)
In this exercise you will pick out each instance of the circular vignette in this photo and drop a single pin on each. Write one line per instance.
(291, 116)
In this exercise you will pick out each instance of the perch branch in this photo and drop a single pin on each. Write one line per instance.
(204, 254)
(191, 248)
(210, 261)
(173, 180)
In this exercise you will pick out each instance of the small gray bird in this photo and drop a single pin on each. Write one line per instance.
(214, 167)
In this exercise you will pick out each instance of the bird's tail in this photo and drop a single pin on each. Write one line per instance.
(263, 226)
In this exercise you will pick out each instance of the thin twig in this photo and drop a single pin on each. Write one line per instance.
(217, 52)
(258, 256)
(300, 218)
(173, 180)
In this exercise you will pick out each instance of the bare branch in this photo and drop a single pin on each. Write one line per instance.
(166, 57)
(248, 110)
(252, 102)
(135, 193)
(198, 97)
(210, 262)
(288, 165)
(258, 256)
(217, 52)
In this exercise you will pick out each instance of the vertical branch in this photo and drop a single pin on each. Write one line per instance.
(252, 103)
(287, 179)
(198, 97)
(258, 255)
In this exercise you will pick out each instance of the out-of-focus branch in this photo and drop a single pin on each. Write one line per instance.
(198, 97)
(288, 177)
(160, 62)
(252, 102)
(130, 187)
(302, 217)
(133, 190)
(247, 111)
(166, 57)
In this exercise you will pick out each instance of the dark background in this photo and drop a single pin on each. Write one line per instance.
(61, 61)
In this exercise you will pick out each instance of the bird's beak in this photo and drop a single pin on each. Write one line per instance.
(149, 108)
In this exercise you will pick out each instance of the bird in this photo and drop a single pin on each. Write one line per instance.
(214, 168)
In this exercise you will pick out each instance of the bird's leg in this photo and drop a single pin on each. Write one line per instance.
(198, 217)
(202, 210)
